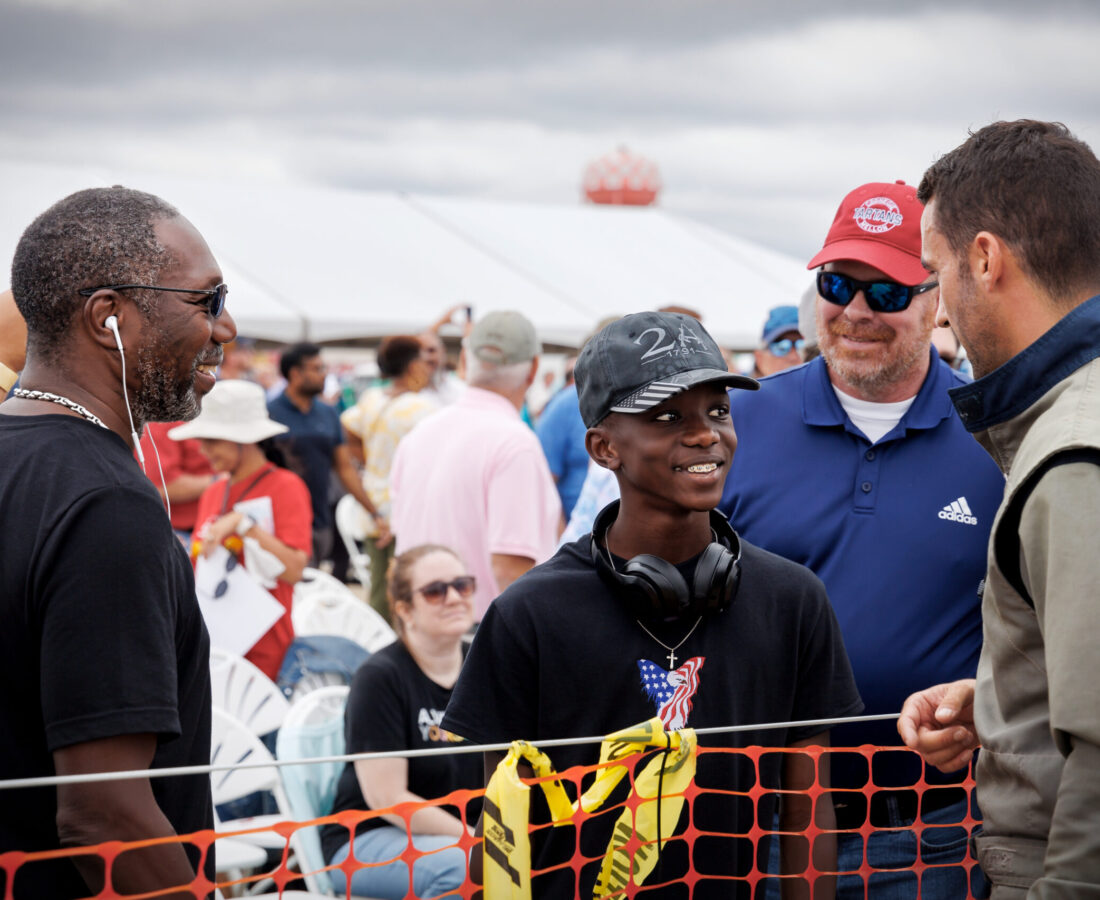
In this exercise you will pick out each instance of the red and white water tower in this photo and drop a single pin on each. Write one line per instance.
(622, 178)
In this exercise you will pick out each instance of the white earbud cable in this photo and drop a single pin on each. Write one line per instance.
(163, 483)
(126, 398)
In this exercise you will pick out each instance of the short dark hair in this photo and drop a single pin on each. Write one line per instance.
(89, 239)
(1035, 186)
(296, 354)
(396, 353)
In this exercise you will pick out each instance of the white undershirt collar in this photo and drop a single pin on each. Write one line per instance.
(874, 419)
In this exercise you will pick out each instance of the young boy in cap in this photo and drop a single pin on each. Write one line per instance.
(661, 610)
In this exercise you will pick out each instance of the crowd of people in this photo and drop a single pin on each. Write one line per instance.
(816, 538)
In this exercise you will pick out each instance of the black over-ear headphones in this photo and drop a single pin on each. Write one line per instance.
(655, 587)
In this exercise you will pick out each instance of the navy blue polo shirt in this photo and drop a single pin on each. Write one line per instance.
(896, 530)
(312, 438)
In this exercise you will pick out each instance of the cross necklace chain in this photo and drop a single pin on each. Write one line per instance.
(671, 650)
(63, 401)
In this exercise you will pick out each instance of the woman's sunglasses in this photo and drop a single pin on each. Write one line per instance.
(881, 296)
(436, 591)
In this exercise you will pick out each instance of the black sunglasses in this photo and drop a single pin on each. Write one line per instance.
(436, 591)
(214, 306)
(881, 296)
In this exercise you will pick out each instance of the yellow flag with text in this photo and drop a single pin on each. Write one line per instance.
(507, 846)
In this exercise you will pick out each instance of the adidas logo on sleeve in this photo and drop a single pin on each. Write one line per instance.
(958, 511)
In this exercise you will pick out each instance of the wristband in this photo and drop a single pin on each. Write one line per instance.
(246, 524)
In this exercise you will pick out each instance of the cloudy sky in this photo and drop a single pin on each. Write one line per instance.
(760, 115)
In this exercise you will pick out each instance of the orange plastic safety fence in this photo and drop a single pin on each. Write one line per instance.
(936, 840)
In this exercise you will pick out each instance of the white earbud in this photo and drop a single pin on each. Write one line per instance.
(112, 323)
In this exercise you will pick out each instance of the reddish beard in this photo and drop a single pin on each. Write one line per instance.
(868, 331)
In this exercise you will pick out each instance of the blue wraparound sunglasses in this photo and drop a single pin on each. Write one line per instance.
(881, 296)
(214, 305)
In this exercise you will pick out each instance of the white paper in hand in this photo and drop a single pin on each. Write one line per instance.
(237, 610)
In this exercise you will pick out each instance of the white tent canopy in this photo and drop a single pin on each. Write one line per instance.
(306, 262)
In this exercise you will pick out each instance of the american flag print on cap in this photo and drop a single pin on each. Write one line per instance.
(671, 692)
(648, 397)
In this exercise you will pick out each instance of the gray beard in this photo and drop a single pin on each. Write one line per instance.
(162, 399)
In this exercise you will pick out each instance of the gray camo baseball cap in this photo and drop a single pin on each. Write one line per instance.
(641, 360)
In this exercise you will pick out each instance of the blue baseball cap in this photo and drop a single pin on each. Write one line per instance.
(781, 321)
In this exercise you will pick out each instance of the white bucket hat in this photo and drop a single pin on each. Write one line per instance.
(232, 411)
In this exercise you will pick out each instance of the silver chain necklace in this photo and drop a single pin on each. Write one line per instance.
(64, 401)
(671, 650)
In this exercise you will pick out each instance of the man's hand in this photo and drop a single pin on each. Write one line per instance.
(384, 536)
(938, 723)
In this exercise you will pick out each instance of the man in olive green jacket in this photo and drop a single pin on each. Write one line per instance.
(1012, 230)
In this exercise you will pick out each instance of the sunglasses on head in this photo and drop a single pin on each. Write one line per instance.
(214, 305)
(436, 591)
(881, 296)
(785, 345)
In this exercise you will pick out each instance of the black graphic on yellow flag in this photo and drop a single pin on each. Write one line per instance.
(507, 866)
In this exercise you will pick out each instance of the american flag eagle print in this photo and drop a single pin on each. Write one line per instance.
(671, 692)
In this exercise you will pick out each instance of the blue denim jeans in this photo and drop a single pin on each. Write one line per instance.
(896, 853)
(433, 874)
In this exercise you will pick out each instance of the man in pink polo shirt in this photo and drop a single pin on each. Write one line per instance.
(473, 477)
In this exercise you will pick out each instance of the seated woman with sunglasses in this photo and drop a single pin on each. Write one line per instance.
(259, 510)
(396, 702)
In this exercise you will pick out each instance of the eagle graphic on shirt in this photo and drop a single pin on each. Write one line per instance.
(671, 692)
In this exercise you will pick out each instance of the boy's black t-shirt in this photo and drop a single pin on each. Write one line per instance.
(393, 705)
(102, 632)
(560, 655)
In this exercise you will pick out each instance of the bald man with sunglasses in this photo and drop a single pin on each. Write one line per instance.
(857, 466)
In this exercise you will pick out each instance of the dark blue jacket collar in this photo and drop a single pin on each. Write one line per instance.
(932, 405)
(1013, 387)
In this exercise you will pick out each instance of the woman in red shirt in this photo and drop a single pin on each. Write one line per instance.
(256, 499)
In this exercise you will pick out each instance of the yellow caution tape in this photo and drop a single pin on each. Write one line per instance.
(507, 861)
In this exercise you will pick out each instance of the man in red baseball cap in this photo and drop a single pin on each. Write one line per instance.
(857, 466)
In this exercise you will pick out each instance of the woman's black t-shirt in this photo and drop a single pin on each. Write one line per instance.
(393, 705)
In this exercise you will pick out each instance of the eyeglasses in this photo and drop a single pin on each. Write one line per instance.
(785, 345)
(881, 296)
(214, 305)
(436, 591)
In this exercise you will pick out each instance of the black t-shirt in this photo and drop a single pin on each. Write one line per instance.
(102, 633)
(393, 705)
(560, 655)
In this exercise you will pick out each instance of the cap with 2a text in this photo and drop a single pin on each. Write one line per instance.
(878, 224)
(640, 360)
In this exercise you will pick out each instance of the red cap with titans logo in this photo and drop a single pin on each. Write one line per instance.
(878, 224)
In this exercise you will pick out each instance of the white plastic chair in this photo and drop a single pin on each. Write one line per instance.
(240, 689)
(314, 727)
(324, 605)
(246, 693)
(232, 743)
(351, 523)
